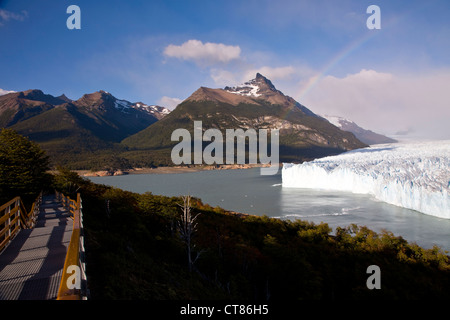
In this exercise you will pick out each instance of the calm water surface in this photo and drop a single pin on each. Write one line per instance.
(249, 192)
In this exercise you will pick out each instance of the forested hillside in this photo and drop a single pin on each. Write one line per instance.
(134, 251)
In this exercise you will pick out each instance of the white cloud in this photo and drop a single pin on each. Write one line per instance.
(2, 92)
(203, 53)
(6, 16)
(169, 102)
(385, 102)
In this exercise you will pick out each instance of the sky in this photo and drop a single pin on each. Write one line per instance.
(393, 80)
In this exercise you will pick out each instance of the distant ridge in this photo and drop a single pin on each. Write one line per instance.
(367, 136)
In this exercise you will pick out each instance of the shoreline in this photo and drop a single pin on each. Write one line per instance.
(168, 170)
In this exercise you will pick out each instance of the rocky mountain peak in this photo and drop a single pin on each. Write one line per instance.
(257, 87)
(64, 98)
(263, 83)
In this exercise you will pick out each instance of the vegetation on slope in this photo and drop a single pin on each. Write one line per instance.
(134, 251)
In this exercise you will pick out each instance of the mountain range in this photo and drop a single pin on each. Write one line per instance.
(100, 131)
(79, 132)
(367, 136)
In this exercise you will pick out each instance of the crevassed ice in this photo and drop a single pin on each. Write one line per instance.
(411, 175)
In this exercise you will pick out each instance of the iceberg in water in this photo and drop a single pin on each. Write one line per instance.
(414, 175)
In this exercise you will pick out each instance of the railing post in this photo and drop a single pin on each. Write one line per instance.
(18, 212)
(79, 201)
(8, 223)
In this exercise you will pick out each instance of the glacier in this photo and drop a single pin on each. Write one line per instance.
(413, 175)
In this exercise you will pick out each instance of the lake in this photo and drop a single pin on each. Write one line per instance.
(247, 191)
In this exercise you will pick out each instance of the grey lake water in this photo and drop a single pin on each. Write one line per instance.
(249, 192)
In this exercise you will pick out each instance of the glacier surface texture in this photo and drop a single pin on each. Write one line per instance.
(413, 175)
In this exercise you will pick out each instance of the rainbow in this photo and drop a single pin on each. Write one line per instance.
(344, 53)
(312, 82)
(349, 49)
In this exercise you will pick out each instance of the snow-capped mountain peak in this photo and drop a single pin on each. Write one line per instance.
(253, 88)
(124, 106)
(155, 110)
(246, 89)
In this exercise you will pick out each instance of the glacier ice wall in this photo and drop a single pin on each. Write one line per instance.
(414, 175)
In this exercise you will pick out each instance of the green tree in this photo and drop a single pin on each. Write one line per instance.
(67, 181)
(23, 166)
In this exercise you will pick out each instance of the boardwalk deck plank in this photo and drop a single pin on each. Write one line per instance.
(31, 266)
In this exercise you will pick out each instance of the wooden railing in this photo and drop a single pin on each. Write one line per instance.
(14, 216)
(73, 284)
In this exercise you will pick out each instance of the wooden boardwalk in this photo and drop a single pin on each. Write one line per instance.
(31, 266)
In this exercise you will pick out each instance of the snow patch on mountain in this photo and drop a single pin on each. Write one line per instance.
(153, 109)
(367, 136)
(124, 106)
(257, 87)
(249, 89)
(3, 92)
(411, 175)
(335, 120)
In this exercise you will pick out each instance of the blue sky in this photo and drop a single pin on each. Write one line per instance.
(319, 52)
